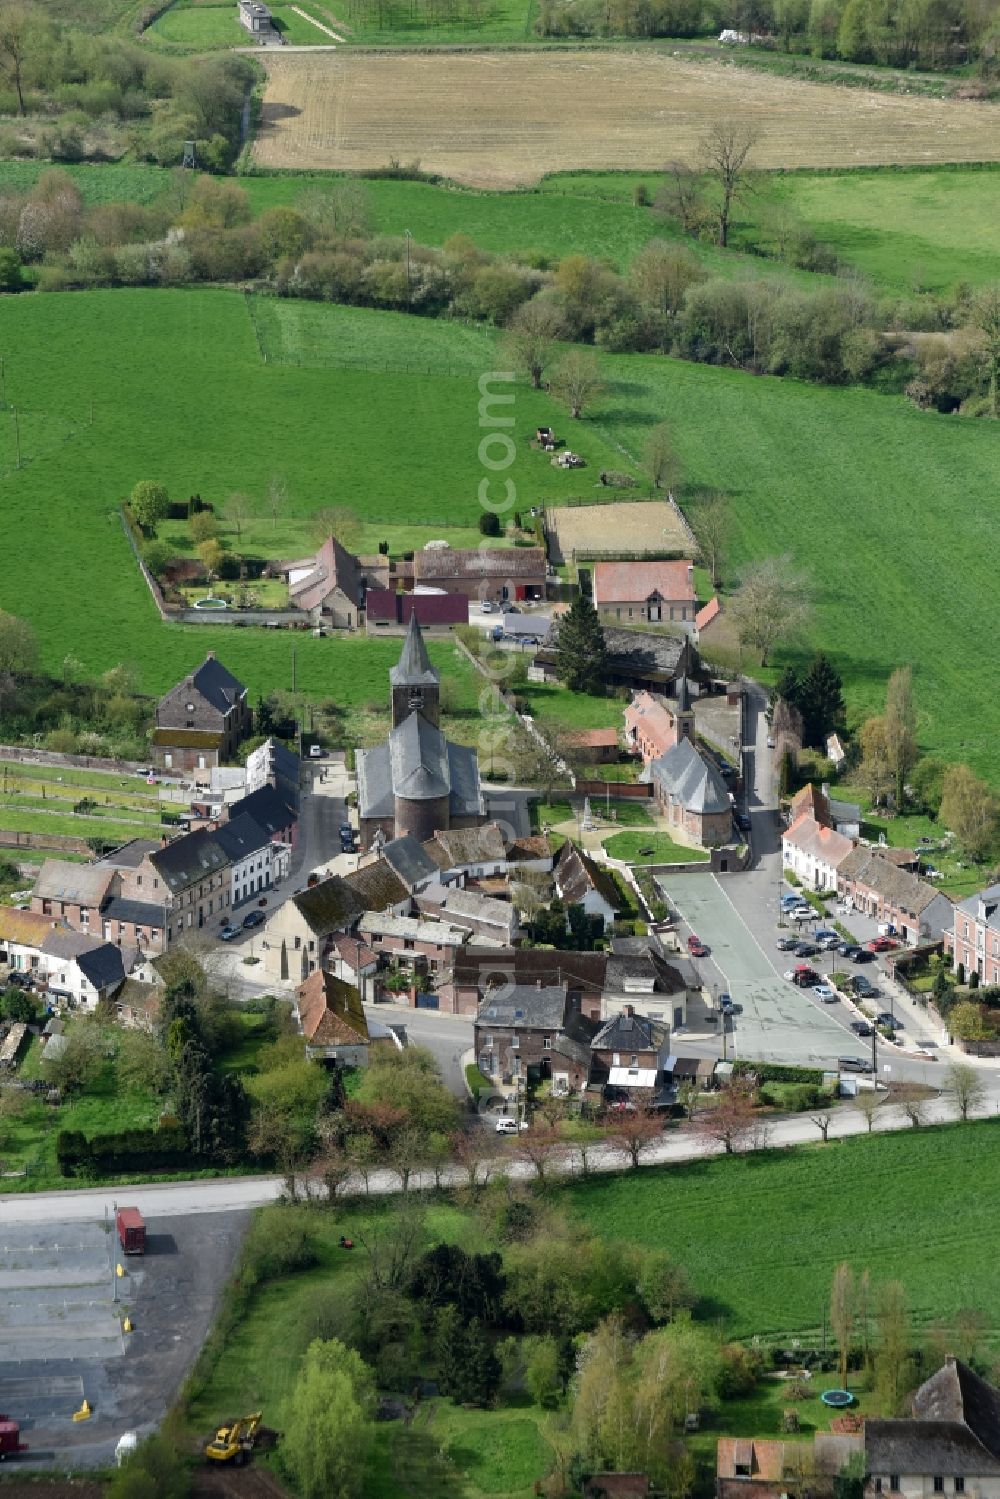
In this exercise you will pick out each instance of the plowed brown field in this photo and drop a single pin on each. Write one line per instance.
(498, 119)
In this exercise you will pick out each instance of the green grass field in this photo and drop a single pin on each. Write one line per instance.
(845, 480)
(200, 27)
(761, 1234)
(665, 851)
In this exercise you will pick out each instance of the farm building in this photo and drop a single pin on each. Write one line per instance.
(327, 586)
(332, 1019)
(635, 659)
(656, 592)
(593, 746)
(495, 573)
(418, 782)
(201, 722)
(388, 612)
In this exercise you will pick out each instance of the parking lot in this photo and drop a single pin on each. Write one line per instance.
(61, 1326)
(779, 1021)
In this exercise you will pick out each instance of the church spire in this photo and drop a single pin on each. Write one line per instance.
(414, 682)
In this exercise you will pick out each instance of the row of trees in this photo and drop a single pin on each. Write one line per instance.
(921, 33)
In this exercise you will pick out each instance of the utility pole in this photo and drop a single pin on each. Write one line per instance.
(409, 237)
(17, 435)
(3, 379)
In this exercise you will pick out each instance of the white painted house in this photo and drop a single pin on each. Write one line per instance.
(814, 853)
(251, 856)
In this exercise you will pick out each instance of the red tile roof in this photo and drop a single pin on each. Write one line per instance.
(629, 582)
(593, 738)
(707, 613)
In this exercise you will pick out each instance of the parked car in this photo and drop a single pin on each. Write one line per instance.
(729, 1006)
(826, 993)
(861, 1027)
(254, 918)
(850, 950)
(509, 1126)
(881, 944)
(806, 949)
(864, 956)
(486, 607)
(854, 1064)
(229, 932)
(743, 822)
(803, 976)
(885, 1018)
(787, 944)
(696, 947)
(315, 751)
(861, 987)
(829, 944)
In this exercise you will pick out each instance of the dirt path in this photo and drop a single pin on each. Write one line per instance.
(318, 24)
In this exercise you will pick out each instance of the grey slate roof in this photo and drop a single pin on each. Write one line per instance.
(488, 967)
(79, 884)
(418, 757)
(460, 846)
(905, 890)
(451, 769)
(630, 1033)
(188, 859)
(218, 685)
(138, 912)
(982, 906)
(267, 807)
(240, 837)
(330, 906)
(102, 966)
(130, 855)
(523, 1007)
(688, 776)
(956, 1428)
(413, 669)
(411, 860)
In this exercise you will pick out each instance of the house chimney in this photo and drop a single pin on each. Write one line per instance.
(538, 983)
(630, 1010)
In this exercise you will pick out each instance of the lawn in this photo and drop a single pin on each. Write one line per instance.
(635, 846)
(15, 816)
(28, 1139)
(776, 1282)
(200, 27)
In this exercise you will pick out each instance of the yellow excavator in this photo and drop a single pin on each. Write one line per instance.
(234, 1442)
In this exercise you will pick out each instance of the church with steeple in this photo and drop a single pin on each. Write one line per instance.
(418, 782)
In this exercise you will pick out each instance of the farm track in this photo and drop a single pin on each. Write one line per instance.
(503, 119)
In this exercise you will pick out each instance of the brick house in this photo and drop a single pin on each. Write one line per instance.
(630, 1055)
(73, 893)
(874, 886)
(481, 915)
(692, 796)
(516, 1027)
(654, 592)
(814, 853)
(378, 887)
(478, 971)
(202, 721)
(641, 973)
(351, 959)
(428, 945)
(495, 573)
(327, 587)
(654, 725)
(975, 935)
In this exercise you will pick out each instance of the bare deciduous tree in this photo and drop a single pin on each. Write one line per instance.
(532, 338)
(770, 604)
(16, 25)
(712, 527)
(577, 380)
(538, 1146)
(237, 511)
(733, 1122)
(986, 321)
(662, 464)
(965, 1088)
(842, 1312)
(681, 197)
(900, 727)
(868, 1102)
(632, 1132)
(726, 152)
(822, 1123)
(277, 497)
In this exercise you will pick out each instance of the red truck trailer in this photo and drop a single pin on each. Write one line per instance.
(10, 1438)
(131, 1231)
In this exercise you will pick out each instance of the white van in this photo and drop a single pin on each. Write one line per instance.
(508, 1126)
